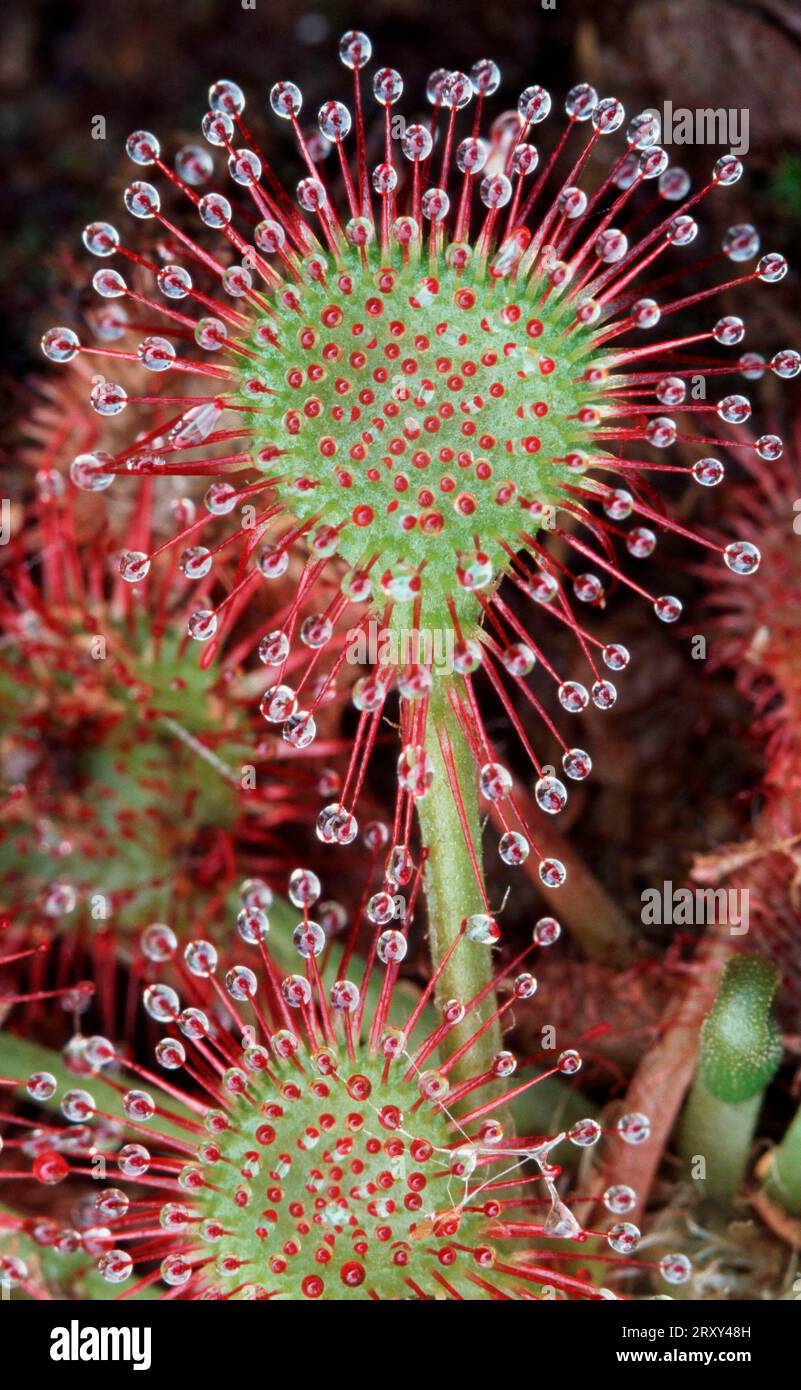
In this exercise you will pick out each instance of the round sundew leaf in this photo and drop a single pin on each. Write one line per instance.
(418, 412)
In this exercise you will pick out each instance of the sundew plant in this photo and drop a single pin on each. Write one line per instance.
(433, 382)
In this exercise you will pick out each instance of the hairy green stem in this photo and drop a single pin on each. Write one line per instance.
(740, 1050)
(721, 1134)
(783, 1182)
(452, 889)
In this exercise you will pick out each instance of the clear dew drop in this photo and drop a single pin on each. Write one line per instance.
(399, 866)
(514, 848)
(161, 1003)
(133, 1160)
(641, 542)
(604, 694)
(274, 648)
(345, 996)
(202, 624)
(786, 363)
(550, 795)
(552, 872)
(214, 211)
(708, 472)
(415, 770)
(77, 1105)
(87, 472)
(735, 409)
(174, 282)
(474, 570)
(309, 939)
(623, 1237)
(304, 887)
(300, 729)
(170, 1054)
(616, 656)
(253, 925)
(254, 892)
(134, 566)
(495, 781)
(381, 908)
(278, 703)
(355, 49)
(620, 1199)
(138, 1106)
(569, 1062)
(316, 631)
(573, 696)
(272, 561)
(158, 942)
(772, 268)
(466, 656)
(668, 608)
(584, 1133)
(546, 931)
(481, 928)
(41, 1085)
(391, 947)
(634, 1127)
(195, 562)
(115, 1266)
(108, 398)
(194, 165)
(101, 238)
(577, 764)
(675, 1269)
(201, 958)
(336, 825)
(226, 96)
(618, 504)
(742, 557)
(770, 447)
(217, 128)
(142, 200)
(518, 659)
